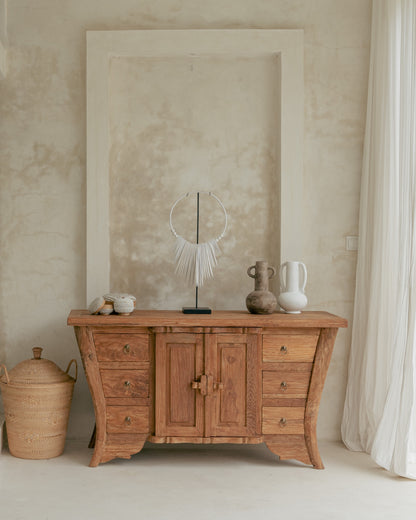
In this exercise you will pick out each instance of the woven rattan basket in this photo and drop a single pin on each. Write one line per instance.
(37, 398)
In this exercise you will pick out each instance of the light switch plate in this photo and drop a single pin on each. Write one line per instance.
(351, 243)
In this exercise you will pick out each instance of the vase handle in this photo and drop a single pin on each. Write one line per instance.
(305, 276)
(273, 271)
(249, 271)
(282, 284)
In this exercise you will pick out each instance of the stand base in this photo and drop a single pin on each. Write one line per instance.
(196, 310)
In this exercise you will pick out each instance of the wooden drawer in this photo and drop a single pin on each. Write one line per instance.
(127, 419)
(125, 383)
(282, 420)
(122, 347)
(288, 348)
(284, 383)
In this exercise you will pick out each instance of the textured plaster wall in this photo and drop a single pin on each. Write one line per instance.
(183, 124)
(42, 161)
(3, 22)
(3, 39)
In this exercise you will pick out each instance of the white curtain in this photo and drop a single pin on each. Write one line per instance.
(380, 407)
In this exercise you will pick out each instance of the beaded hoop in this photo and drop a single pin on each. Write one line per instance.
(195, 262)
(201, 193)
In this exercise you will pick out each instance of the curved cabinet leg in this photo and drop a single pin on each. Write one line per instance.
(320, 368)
(289, 447)
(98, 453)
(90, 362)
(122, 446)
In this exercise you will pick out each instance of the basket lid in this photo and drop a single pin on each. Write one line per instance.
(36, 371)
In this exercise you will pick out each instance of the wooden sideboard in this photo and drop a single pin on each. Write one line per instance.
(228, 377)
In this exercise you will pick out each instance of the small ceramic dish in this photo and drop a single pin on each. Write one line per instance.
(123, 305)
(96, 305)
(110, 297)
(107, 309)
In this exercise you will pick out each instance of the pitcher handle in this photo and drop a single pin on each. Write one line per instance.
(249, 271)
(305, 276)
(282, 284)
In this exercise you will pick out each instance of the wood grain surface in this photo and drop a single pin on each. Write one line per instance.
(216, 319)
(283, 383)
(283, 420)
(125, 383)
(127, 419)
(122, 347)
(233, 377)
(285, 348)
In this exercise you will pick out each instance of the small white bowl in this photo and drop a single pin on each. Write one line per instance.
(96, 305)
(110, 297)
(107, 309)
(123, 305)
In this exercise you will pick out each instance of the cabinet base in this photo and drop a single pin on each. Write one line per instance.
(123, 446)
(205, 440)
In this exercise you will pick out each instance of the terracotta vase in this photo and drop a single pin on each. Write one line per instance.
(261, 300)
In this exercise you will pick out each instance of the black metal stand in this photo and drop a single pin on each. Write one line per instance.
(196, 309)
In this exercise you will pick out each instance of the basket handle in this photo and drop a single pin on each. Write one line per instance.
(76, 368)
(5, 373)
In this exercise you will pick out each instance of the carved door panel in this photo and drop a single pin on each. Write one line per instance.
(179, 409)
(232, 409)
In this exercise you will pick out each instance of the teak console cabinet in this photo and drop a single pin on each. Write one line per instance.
(228, 377)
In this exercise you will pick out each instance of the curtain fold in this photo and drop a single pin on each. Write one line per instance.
(380, 406)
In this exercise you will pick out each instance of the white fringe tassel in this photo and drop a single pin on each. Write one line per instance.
(195, 262)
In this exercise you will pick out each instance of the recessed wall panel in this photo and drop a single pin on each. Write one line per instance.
(180, 124)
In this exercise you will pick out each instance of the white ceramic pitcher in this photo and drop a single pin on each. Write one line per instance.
(292, 298)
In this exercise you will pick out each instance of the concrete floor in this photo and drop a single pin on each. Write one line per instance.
(201, 483)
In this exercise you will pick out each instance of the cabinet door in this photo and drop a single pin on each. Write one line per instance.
(233, 407)
(179, 409)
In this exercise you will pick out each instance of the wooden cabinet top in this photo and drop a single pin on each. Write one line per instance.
(153, 318)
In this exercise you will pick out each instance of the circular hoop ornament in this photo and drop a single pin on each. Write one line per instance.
(195, 262)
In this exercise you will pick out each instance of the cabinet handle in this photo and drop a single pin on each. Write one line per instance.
(283, 385)
(201, 385)
(283, 349)
(127, 420)
(127, 384)
(282, 422)
(126, 348)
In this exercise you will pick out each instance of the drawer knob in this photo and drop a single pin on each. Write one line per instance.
(282, 422)
(283, 349)
(127, 384)
(126, 348)
(283, 385)
(127, 420)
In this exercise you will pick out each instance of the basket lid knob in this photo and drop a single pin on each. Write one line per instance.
(38, 370)
(37, 352)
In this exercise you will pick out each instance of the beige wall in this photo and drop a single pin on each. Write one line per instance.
(186, 124)
(3, 39)
(42, 162)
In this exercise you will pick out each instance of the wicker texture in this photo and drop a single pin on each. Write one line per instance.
(37, 399)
